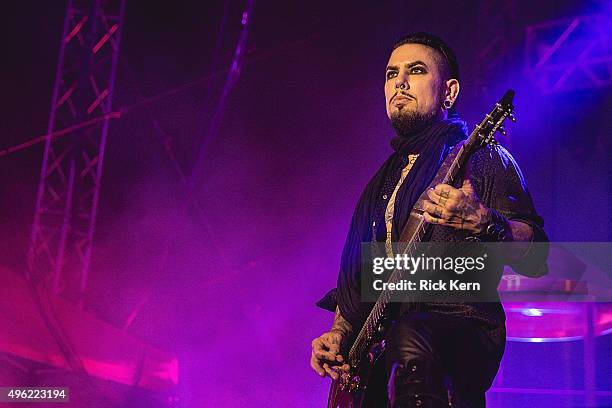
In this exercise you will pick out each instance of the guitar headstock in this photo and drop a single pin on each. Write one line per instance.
(492, 123)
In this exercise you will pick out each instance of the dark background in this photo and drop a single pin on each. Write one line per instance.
(231, 289)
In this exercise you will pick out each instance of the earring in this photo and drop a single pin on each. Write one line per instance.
(447, 103)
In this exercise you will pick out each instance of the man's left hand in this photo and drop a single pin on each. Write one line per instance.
(459, 208)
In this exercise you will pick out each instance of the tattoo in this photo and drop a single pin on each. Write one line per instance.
(445, 193)
(443, 201)
(438, 212)
(340, 324)
(470, 208)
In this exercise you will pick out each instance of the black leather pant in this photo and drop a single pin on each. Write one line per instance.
(435, 360)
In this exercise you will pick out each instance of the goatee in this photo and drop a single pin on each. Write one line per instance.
(407, 123)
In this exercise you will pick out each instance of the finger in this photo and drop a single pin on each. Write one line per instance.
(448, 203)
(318, 346)
(333, 341)
(327, 340)
(433, 220)
(455, 225)
(433, 196)
(323, 343)
(447, 191)
(467, 186)
(455, 222)
(344, 367)
(323, 350)
(340, 370)
(461, 224)
(316, 365)
(334, 349)
(330, 372)
(436, 211)
(324, 355)
(335, 337)
(317, 343)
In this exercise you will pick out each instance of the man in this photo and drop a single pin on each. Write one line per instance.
(445, 352)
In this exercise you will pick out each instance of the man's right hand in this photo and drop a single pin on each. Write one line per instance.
(326, 358)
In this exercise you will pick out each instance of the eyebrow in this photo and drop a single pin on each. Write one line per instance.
(408, 66)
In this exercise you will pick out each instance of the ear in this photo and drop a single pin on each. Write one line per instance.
(452, 89)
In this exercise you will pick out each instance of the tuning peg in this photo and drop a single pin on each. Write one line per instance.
(502, 131)
(491, 141)
(512, 117)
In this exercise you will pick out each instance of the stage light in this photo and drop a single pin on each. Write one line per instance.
(532, 312)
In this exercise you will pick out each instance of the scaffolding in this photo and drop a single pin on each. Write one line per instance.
(569, 54)
(62, 233)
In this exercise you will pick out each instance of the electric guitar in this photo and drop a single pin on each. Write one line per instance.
(349, 390)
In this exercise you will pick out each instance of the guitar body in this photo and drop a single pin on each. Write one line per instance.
(339, 398)
(350, 390)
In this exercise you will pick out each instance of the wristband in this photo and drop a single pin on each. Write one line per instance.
(496, 229)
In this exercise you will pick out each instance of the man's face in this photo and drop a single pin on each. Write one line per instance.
(416, 67)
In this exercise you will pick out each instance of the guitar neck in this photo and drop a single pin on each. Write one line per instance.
(448, 174)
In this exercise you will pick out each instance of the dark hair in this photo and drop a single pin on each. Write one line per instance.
(451, 69)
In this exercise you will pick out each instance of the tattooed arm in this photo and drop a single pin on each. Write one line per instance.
(326, 349)
(341, 325)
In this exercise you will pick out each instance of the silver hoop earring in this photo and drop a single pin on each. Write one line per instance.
(447, 104)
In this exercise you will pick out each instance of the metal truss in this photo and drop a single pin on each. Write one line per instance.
(570, 54)
(496, 22)
(496, 38)
(67, 199)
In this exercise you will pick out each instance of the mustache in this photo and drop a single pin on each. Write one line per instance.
(404, 94)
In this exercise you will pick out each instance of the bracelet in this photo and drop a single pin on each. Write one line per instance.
(496, 229)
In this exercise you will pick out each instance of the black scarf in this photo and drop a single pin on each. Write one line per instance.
(433, 143)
